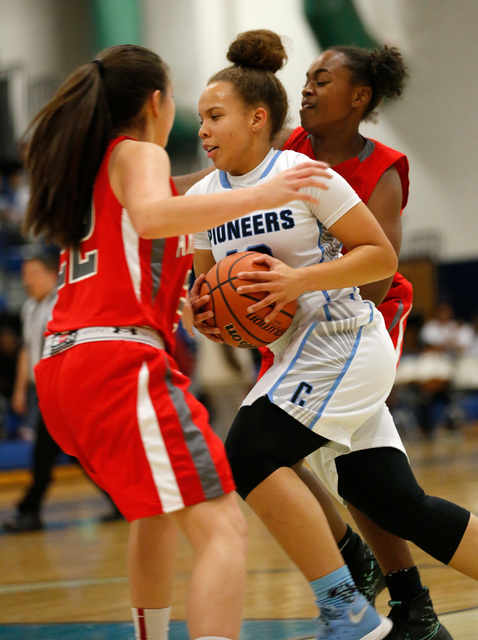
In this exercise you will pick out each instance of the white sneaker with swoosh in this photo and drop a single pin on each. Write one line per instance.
(355, 620)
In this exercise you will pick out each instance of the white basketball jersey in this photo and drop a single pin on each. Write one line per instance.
(335, 365)
(296, 234)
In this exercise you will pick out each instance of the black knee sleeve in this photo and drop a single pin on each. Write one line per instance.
(381, 484)
(264, 438)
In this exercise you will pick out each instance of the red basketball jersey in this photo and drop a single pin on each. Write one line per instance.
(362, 173)
(115, 278)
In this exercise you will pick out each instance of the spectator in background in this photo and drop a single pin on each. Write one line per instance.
(9, 348)
(426, 379)
(13, 198)
(39, 275)
(443, 333)
(465, 377)
(473, 347)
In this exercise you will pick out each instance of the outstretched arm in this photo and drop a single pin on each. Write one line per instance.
(140, 180)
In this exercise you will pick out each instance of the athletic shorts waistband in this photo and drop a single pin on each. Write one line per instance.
(59, 342)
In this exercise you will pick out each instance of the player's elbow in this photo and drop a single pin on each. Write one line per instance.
(147, 226)
(147, 232)
(390, 261)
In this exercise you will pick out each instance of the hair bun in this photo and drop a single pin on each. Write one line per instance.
(259, 49)
(388, 70)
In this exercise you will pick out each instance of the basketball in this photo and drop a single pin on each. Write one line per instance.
(238, 327)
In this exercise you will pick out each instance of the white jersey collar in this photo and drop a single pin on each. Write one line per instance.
(251, 178)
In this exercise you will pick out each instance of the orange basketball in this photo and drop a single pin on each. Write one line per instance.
(239, 328)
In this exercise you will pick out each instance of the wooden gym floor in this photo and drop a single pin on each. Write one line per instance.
(69, 581)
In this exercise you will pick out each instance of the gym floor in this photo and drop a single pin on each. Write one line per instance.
(69, 580)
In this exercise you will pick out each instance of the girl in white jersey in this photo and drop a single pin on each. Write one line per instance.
(324, 396)
(101, 189)
(246, 158)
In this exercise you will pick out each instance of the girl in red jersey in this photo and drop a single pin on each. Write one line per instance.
(344, 86)
(109, 390)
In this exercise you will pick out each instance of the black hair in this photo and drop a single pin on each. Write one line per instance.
(383, 70)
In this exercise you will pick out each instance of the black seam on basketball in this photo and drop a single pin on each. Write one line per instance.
(229, 280)
(231, 266)
(211, 299)
(246, 295)
(220, 284)
(286, 313)
(250, 296)
(236, 319)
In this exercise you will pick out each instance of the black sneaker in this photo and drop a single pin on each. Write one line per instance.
(21, 522)
(366, 572)
(416, 620)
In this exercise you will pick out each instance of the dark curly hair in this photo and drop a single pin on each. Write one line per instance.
(383, 70)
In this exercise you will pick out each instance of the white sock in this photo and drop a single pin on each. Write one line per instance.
(151, 624)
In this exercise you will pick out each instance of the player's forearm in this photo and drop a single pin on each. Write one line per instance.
(191, 214)
(365, 264)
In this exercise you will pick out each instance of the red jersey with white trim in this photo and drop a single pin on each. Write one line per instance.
(362, 173)
(365, 170)
(115, 278)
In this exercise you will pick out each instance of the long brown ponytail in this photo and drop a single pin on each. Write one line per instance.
(72, 132)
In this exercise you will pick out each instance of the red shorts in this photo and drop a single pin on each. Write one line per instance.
(395, 309)
(124, 410)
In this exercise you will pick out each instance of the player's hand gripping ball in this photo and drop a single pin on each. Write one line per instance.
(238, 327)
